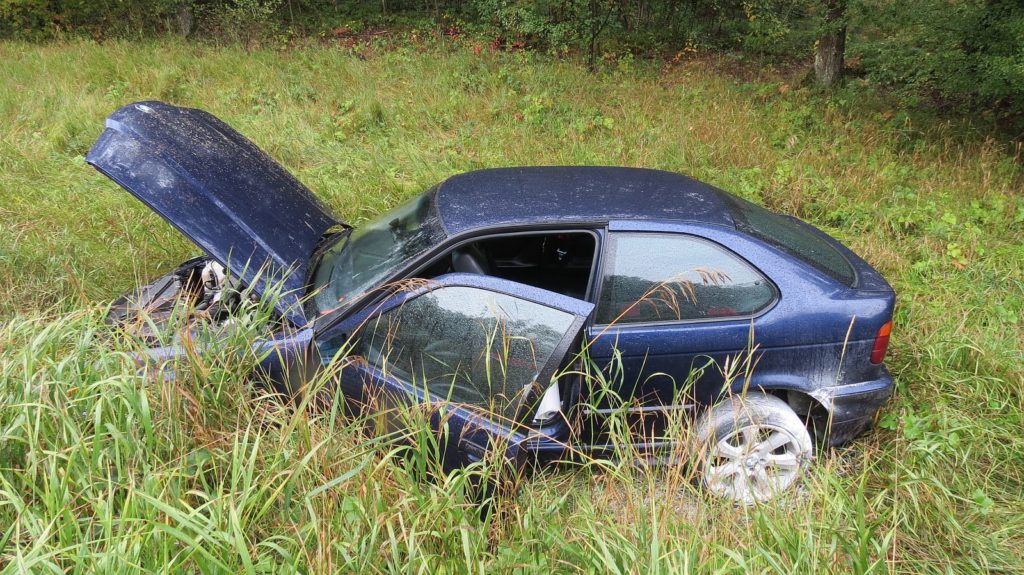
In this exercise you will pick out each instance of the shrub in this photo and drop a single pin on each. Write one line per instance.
(964, 56)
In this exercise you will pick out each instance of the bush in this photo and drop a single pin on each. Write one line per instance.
(36, 19)
(24, 17)
(965, 56)
(961, 56)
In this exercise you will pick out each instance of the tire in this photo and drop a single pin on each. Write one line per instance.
(751, 448)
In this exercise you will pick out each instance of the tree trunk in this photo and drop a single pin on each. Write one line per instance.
(183, 16)
(592, 48)
(828, 54)
(596, 28)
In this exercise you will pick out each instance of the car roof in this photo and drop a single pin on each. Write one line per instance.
(571, 195)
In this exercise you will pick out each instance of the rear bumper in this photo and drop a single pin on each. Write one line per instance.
(853, 407)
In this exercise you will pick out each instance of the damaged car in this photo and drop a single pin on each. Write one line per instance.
(764, 333)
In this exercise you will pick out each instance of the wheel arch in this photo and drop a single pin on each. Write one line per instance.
(807, 400)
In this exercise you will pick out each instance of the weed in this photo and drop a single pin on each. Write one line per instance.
(107, 468)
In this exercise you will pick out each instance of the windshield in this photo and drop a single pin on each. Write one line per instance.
(375, 252)
(793, 236)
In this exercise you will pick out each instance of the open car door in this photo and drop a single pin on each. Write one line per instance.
(472, 353)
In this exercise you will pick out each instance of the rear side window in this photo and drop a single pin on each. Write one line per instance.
(791, 236)
(674, 277)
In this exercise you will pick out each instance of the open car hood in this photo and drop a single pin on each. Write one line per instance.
(220, 190)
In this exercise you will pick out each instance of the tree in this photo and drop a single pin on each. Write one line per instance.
(596, 23)
(184, 17)
(831, 45)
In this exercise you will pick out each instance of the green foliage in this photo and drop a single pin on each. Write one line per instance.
(106, 18)
(557, 24)
(104, 468)
(245, 19)
(768, 27)
(43, 18)
(959, 56)
(967, 54)
(27, 18)
(780, 28)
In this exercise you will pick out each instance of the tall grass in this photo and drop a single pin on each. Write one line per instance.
(106, 468)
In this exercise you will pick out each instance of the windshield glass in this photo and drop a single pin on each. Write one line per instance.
(375, 252)
(792, 236)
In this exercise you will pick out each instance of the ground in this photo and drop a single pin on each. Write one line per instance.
(104, 469)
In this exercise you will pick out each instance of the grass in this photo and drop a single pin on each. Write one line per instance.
(105, 469)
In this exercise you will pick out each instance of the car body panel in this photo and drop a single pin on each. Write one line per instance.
(551, 195)
(286, 358)
(817, 334)
(802, 336)
(220, 190)
(812, 344)
(468, 435)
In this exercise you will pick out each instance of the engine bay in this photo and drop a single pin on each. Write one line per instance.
(199, 290)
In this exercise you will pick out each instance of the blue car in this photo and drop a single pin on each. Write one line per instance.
(480, 293)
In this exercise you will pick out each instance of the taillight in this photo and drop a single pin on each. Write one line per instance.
(881, 343)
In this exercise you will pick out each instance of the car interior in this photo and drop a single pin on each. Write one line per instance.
(559, 262)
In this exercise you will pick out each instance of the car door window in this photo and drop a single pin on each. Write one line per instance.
(467, 345)
(561, 261)
(676, 277)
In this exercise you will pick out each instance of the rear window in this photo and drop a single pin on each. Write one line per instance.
(791, 236)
